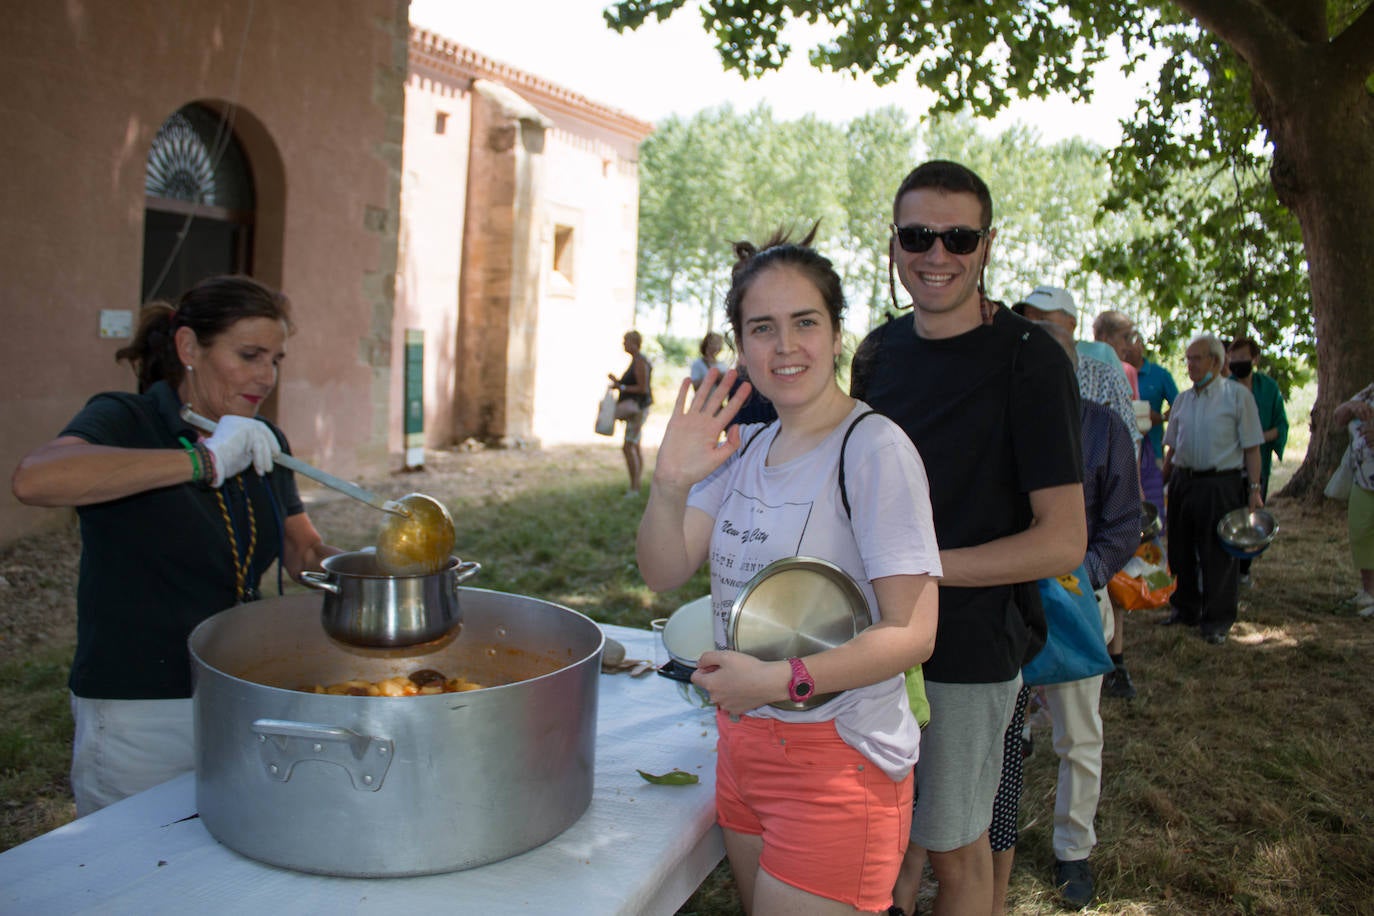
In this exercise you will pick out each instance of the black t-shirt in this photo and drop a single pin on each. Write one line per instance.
(994, 414)
(155, 564)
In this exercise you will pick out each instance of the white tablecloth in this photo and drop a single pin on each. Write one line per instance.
(639, 848)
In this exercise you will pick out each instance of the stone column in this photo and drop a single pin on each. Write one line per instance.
(498, 300)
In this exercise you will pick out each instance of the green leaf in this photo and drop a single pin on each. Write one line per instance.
(671, 778)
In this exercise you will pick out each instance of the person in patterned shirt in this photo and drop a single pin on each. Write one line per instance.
(1098, 381)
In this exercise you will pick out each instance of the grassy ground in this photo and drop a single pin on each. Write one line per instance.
(1239, 781)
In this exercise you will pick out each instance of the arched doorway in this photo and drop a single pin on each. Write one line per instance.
(199, 213)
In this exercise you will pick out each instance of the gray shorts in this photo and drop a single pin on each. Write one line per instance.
(961, 762)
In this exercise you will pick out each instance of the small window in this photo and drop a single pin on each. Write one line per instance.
(563, 252)
(441, 122)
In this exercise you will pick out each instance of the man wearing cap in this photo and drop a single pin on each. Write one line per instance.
(1100, 376)
(1214, 431)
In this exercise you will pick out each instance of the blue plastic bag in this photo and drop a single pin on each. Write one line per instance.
(1074, 647)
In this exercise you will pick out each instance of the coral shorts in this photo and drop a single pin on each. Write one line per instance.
(832, 822)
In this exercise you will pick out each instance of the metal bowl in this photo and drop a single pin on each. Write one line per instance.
(1150, 525)
(689, 632)
(794, 607)
(1246, 534)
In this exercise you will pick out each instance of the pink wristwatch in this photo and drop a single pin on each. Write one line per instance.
(802, 684)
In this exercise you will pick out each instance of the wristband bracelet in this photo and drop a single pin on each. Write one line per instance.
(197, 473)
(207, 463)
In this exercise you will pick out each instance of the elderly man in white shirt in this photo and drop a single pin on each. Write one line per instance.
(1214, 430)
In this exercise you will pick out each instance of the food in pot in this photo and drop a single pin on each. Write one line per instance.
(424, 682)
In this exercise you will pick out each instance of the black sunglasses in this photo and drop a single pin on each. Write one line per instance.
(917, 239)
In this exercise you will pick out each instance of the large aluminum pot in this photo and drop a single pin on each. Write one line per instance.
(366, 606)
(383, 786)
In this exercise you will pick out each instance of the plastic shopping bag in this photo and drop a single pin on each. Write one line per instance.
(1074, 645)
(605, 414)
(1144, 583)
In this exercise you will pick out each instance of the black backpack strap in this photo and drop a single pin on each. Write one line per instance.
(844, 495)
(744, 448)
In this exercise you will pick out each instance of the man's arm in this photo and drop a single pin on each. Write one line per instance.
(1053, 545)
(1116, 529)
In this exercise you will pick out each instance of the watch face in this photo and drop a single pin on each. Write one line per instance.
(803, 689)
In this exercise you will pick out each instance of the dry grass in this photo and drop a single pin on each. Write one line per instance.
(1237, 782)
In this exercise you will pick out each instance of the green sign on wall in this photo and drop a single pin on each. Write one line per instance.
(415, 398)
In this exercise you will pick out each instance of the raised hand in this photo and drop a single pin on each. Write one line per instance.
(692, 445)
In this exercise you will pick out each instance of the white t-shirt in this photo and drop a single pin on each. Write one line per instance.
(763, 514)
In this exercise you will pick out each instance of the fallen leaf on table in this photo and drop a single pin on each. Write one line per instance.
(671, 778)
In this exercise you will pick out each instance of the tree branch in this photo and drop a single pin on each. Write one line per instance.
(1267, 42)
(1353, 49)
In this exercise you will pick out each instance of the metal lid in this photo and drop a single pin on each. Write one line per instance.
(794, 607)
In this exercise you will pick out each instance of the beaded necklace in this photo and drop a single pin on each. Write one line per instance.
(242, 591)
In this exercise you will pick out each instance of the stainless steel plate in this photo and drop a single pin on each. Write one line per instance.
(795, 607)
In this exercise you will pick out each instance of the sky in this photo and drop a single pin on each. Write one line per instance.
(667, 68)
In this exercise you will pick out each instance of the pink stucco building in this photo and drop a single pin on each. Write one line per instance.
(395, 184)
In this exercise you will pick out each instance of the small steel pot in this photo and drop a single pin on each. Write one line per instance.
(364, 606)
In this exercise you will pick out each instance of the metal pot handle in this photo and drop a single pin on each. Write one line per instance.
(284, 743)
(319, 580)
(465, 571)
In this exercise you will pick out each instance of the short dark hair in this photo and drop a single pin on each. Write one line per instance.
(1247, 342)
(750, 261)
(951, 177)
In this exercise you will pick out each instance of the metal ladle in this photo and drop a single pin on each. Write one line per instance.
(418, 535)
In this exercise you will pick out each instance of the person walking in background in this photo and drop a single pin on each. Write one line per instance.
(1243, 357)
(1111, 499)
(633, 405)
(991, 404)
(814, 802)
(1358, 415)
(711, 345)
(174, 527)
(1214, 432)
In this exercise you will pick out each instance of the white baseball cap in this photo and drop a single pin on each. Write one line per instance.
(1051, 299)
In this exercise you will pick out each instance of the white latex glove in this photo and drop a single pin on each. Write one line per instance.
(239, 442)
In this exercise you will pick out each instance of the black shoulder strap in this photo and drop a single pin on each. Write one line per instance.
(745, 447)
(844, 495)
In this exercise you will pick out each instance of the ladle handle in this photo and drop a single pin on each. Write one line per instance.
(300, 467)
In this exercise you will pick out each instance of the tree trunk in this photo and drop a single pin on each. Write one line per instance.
(1321, 170)
(1309, 91)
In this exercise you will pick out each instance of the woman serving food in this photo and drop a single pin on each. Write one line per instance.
(815, 804)
(174, 527)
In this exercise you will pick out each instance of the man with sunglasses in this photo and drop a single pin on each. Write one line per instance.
(992, 405)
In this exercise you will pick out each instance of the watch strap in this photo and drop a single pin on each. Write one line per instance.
(802, 685)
